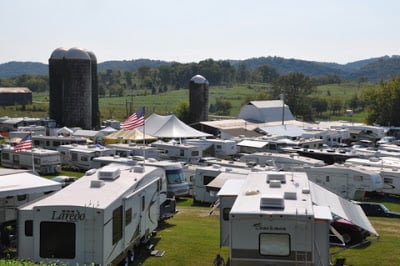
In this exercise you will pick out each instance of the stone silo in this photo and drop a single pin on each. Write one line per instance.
(77, 101)
(95, 91)
(56, 81)
(73, 88)
(198, 99)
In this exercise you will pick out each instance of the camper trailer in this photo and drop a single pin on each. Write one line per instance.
(176, 182)
(206, 174)
(215, 147)
(81, 156)
(53, 142)
(17, 187)
(42, 161)
(177, 151)
(273, 218)
(133, 149)
(97, 220)
(349, 182)
(281, 161)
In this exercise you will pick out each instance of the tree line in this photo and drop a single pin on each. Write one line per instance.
(297, 89)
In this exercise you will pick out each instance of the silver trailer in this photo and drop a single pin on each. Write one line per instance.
(99, 219)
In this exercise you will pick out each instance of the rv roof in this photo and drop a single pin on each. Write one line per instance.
(293, 192)
(25, 183)
(82, 193)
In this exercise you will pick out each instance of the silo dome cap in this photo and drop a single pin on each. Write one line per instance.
(58, 53)
(76, 53)
(199, 79)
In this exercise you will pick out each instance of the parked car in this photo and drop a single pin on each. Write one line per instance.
(64, 180)
(377, 209)
(352, 235)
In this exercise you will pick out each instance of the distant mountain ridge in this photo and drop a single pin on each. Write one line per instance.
(374, 69)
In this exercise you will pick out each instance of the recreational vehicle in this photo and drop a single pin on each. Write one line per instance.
(206, 174)
(42, 161)
(81, 156)
(281, 161)
(274, 218)
(18, 187)
(349, 182)
(133, 149)
(97, 220)
(180, 152)
(215, 147)
(53, 142)
(176, 182)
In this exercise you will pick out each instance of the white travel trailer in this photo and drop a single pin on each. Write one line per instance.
(215, 147)
(53, 142)
(180, 152)
(281, 161)
(389, 175)
(274, 218)
(42, 161)
(349, 182)
(18, 187)
(81, 156)
(177, 184)
(99, 219)
(206, 174)
(133, 149)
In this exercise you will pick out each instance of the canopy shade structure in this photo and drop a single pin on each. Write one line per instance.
(128, 135)
(170, 126)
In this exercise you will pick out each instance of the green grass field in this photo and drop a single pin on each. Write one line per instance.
(191, 237)
(165, 103)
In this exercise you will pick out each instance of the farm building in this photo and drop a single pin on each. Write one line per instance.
(265, 111)
(11, 96)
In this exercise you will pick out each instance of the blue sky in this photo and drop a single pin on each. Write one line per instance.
(338, 31)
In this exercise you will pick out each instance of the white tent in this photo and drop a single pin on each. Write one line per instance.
(170, 126)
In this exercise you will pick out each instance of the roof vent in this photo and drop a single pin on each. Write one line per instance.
(274, 184)
(96, 183)
(290, 195)
(138, 169)
(109, 173)
(279, 177)
(305, 190)
(272, 201)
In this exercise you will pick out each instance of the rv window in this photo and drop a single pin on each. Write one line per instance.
(5, 156)
(28, 228)
(56, 143)
(84, 159)
(36, 161)
(274, 244)
(207, 179)
(117, 225)
(143, 203)
(16, 158)
(327, 178)
(195, 153)
(74, 156)
(21, 197)
(358, 178)
(128, 216)
(387, 180)
(225, 214)
(50, 235)
(182, 153)
(48, 143)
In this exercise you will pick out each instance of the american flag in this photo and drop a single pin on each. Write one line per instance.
(135, 120)
(24, 144)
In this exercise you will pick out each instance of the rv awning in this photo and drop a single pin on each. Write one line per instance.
(341, 207)
(252, 143)
(217, 183)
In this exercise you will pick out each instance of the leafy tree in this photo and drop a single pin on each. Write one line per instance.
(319, 104)
(295, 88)
(265, 74)
(182, 111)
(382, 103)
(222, 107)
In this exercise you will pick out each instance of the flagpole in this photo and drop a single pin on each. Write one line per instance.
(144, 133)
